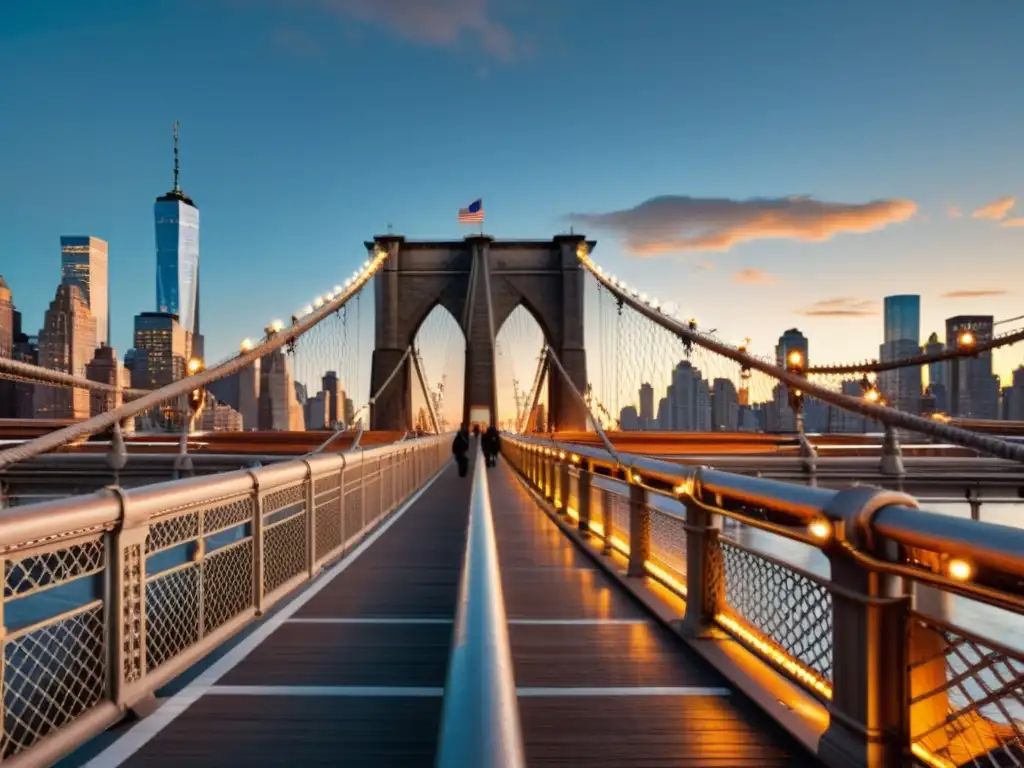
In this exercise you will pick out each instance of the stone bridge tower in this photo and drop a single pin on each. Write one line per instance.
(480, 281)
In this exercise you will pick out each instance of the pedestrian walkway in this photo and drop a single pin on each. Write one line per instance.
(352, 672)
(601, 684)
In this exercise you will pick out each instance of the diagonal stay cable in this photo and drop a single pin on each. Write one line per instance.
(917, 361)
(35, 374)
(337, 433)
(387, 381)
(182, 387)
(583, 401)
(888, 416)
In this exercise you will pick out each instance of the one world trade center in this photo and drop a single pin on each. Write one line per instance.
(177, 256)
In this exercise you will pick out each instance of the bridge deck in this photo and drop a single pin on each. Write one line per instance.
(353, 671)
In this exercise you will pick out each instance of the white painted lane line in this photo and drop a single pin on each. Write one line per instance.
(640, 691)
(146, 729)
(371, 691)
(367, 691)
(432, 620)
(368, 620)
(575, 622)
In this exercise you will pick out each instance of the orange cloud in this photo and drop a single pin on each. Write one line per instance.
(954, 211)
(995, 210)
(1017, 221)
(674, 223)
(706, 266)
(434, 22)
(753, 277)
(969, 294)
(843, 307)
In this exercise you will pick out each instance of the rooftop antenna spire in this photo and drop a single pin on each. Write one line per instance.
(177, 169)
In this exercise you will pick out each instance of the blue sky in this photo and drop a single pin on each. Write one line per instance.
(308, 126)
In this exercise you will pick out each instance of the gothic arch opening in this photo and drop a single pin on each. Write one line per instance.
(517, 349)
(441, 350)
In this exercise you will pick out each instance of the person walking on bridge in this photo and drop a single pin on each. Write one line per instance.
(491, 444)
(460, 449)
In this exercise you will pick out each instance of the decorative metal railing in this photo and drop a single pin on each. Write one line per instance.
(865, 634)
(108, 596)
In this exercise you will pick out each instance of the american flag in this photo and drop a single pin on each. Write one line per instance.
(474, 214)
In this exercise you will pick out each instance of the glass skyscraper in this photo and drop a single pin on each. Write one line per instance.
(83, 262)
(177, 256)
(903, 318)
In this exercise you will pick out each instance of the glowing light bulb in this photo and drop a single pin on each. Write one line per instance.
(820, 529)
(318, 302)
(959, 569)
(246, 345)
(337, 290)
(277, 326)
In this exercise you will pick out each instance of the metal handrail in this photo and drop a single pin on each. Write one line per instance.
(985, 544)
(160, 575)
(480, 721)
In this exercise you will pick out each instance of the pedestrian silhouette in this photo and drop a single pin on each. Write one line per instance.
(491, 444)
(460, 449)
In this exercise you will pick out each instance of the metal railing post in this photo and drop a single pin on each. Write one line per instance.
(562, 491)
(341, 500)
(125, 598)
(705, 568)
(549, 476)
(607, 521)
(310, 522)
(380, 489)
(583, 479)
(869, 723)
(257, 546)
(639, 530)
(396, 468)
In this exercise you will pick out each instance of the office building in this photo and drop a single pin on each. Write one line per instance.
(220, 417)
(646, 406)
(26, 350)
(177, 256)
(335, 398)
(1013, 397)
(67, 342)
(690, 400)
(938, 374)
(6, 320)
(161, 339)
(629, 420)
(973, 389)
(788, 341)
(279, 409)
(317, 411)
(902, 318)
(725, 408)
(84, 263)
(902, 339)
(105, 368)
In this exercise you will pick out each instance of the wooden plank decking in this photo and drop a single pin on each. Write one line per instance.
(355, 677)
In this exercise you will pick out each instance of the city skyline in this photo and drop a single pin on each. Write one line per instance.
(895, 206)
